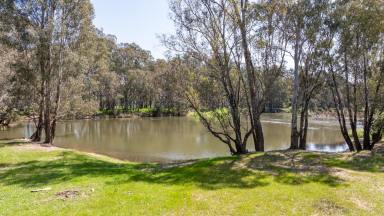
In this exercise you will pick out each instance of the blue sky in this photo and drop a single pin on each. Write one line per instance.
(138, 21)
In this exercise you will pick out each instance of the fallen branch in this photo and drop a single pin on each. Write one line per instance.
(41, 189)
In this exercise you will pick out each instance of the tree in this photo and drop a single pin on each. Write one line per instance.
(260, 24)
(357, 68)
(205, 32)
(134, 66)
(6, 109)
(165, 82)
(51, 29)
(309, 39)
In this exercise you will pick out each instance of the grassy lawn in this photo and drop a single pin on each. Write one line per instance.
(275, 183)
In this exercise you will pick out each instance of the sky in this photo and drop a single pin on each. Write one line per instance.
(139, 21)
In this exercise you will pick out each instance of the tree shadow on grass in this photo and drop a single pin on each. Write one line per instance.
(65, 167)
(207, 174)
(372, 164)
(7, 142)
(295, 168)
(286, 176)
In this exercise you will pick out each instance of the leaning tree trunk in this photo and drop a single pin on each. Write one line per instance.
(340, 112)
(36, 136)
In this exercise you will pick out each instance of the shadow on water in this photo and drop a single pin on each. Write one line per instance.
(228, 172)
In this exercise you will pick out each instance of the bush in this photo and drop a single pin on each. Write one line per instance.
(377, 128)
(219, 113)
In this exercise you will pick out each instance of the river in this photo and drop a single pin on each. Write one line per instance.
(173, 138)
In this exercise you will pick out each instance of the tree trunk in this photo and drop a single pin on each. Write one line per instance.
(367, 138)
(340, 112)
(295, 95)
(36, 136)
(252, 85)
(240, 147)
(47, 112)
(259, 136)
(47, 125)
(304, 127)
(352, 114)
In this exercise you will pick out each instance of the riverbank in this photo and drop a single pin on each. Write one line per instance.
(45, 180)
(19, 117)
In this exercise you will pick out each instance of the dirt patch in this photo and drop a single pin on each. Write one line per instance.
(295, 161)
(177, 164)
(198, 196)
(25, 144)
(68, 194)
(36, 147)
(362, 204)
(328, 207)
(343, 174)
(362, 155)
(73, 193)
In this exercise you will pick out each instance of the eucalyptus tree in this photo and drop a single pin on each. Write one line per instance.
(6, 56)
(357, 68)
(14, 42)
(52, 29)
(165, 82)
(134, 67)
(309, 39)
(106, 80)
(261, 29)
(206, 33)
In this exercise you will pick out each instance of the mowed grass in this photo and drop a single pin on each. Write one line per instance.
(275, 183)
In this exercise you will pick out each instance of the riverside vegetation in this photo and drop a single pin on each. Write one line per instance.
(229, 62)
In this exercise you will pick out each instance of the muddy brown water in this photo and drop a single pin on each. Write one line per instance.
(173, 138)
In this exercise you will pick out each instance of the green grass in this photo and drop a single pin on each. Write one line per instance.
(276, 183)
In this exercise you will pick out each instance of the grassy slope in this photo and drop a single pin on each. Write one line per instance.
(279, 183)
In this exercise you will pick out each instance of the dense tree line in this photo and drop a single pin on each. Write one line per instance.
(56, 64)
(230, 61)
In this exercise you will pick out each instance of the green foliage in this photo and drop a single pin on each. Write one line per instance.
(378, 124)
(212, 115)
(359, 131)
(219, 113)
(378, 128)
(145, 110)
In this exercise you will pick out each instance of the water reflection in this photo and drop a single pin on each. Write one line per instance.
(164, 139)
(341, 147)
